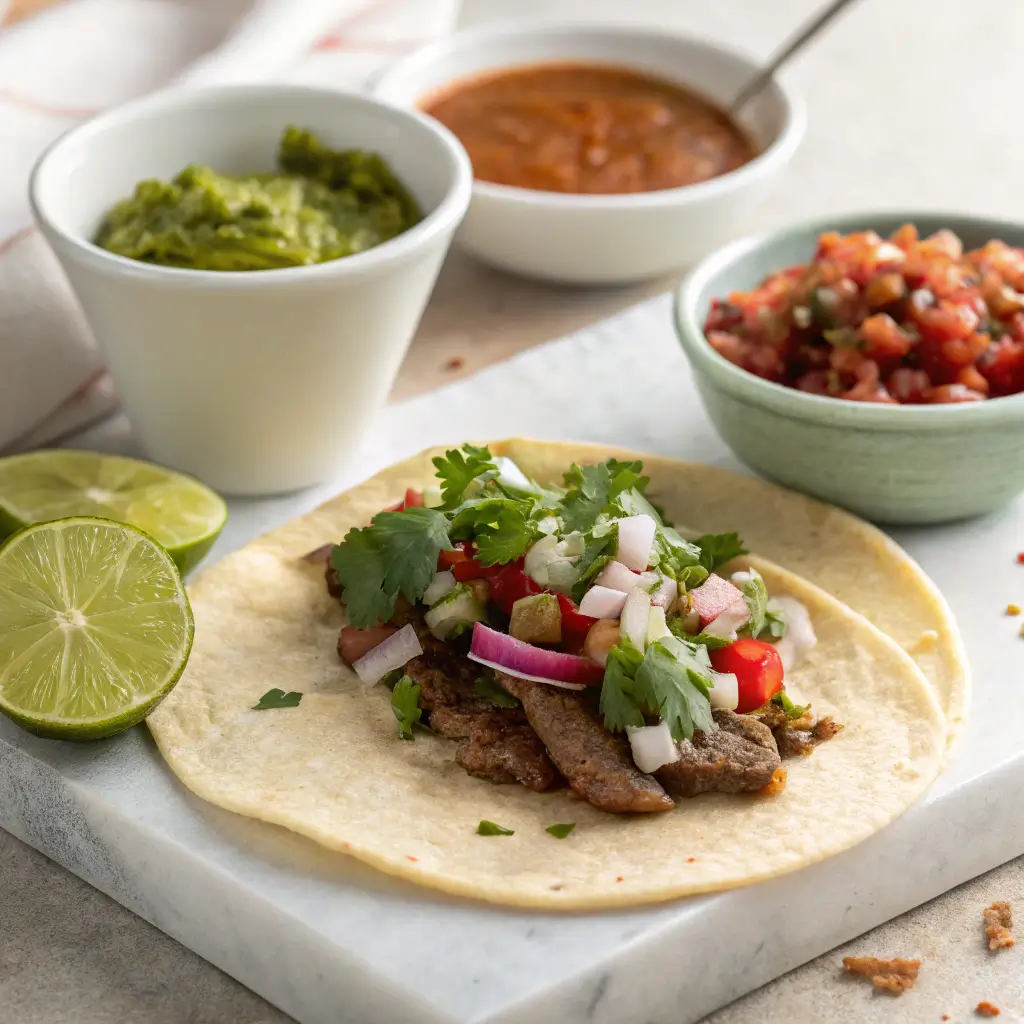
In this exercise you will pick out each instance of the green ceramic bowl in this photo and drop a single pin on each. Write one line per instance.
(892, 464)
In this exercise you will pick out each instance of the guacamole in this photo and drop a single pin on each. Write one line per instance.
(323, 204)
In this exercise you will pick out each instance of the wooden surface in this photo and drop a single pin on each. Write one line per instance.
(23, 8)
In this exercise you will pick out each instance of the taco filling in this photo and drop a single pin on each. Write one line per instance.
(570, 636)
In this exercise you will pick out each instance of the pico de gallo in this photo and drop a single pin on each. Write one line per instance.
(570, 635)
(903, 320)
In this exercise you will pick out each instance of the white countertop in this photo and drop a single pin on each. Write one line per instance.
(911, 104)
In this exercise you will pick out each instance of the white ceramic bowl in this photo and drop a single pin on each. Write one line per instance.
(264, 381)
(589, 239)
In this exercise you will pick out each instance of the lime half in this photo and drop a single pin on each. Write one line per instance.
(95, 627)
(179, 512)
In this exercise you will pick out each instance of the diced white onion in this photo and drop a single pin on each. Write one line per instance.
(743, 577)
(602, 603)
(560, 575)
(657, 627)
(652, 746)
(572, 545)
(616, 576)
(725, 626)
(635, 614)
(726, 691)
(539, 555)
(395, 652)
(800, 636)
(432, 497)
(511, 475)
(442, 583)
(549, 524)
(636, 535)
(452, 609)
(665, 593)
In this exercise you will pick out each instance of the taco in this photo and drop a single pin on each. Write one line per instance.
(515, 675)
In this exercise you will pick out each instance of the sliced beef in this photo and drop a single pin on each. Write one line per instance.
(740, 756)
(334, 587)
(501, 746)
(596, 763)
(796, 737)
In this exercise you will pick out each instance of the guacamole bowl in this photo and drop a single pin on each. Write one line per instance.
(895, 464)
(255, 381)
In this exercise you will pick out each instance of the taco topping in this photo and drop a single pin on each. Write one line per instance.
(569, 635)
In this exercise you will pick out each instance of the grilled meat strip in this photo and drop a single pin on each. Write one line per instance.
(597, 763)
(740, 756)
(796, 737)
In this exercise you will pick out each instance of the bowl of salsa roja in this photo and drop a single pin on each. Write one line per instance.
(589, 129)
(601, 155)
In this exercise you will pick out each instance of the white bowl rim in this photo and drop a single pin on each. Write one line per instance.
(776, 153)
(801, 405)
(444, 217)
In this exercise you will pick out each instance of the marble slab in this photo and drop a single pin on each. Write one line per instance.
(329, 941)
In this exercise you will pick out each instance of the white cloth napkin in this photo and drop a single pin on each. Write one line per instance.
(83, 56)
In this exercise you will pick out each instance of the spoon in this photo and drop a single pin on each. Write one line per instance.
(753, 86)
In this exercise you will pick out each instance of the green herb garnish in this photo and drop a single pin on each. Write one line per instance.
(775, 623)
(708, 640)
(793, 711)
(502, 527)
(460, 468)
(560, 831)
(755, 593)
(592, 490)
(489, 828)
(718, 548)
(277, 699)
(488, 690)
(396, 553)
(405, 703)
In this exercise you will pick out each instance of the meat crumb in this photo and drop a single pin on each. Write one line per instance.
(894, 976)
(986, 1009)
(998, 921)
(455, 363)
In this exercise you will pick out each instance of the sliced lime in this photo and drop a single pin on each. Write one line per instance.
(95, 627)
(177, 511)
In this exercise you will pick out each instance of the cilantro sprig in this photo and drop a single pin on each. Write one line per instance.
(490, 828)
(396, 554)
(671, 679)
(593, 490)
(793, 711)
(459, 468)
(718, 548)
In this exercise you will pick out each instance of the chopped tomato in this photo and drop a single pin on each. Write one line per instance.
(509, 583)
(757, 667)
(460, 552)
(413, 499)
(573, 622)
(354, 643)
(471, 569)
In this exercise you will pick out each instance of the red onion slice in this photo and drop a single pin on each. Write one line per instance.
(507, 654)
(636, 536)
(395, 652)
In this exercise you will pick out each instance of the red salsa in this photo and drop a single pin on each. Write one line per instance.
(904, 320)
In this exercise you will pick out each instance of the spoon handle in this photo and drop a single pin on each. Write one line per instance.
(792, 46)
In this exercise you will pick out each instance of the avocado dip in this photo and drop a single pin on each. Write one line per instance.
(322, 205)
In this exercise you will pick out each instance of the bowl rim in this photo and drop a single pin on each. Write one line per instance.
(801, 405)
(445, 217)
(792, 109)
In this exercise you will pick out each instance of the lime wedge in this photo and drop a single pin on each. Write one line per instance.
(177, 511)
(95, 627)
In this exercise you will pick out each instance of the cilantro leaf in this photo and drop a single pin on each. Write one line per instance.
(755, 593)
(396, 553)
(459, 468)
(718, 548)
(600, 543)
(502, 528)
(675, 624)
(592, 490)
(359, 563)
(560, 831)
(675, 557)
(618, 707)
(405, 703)
(489, 828)
(775, 622)
(793, 711)
(488, 690)
(674, 679)
(277, 699)
(633, 502)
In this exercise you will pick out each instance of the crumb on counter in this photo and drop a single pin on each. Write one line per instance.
(986, 1009)
(998, 920)
(893, 976)
(455, 363)
(1013, 609)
